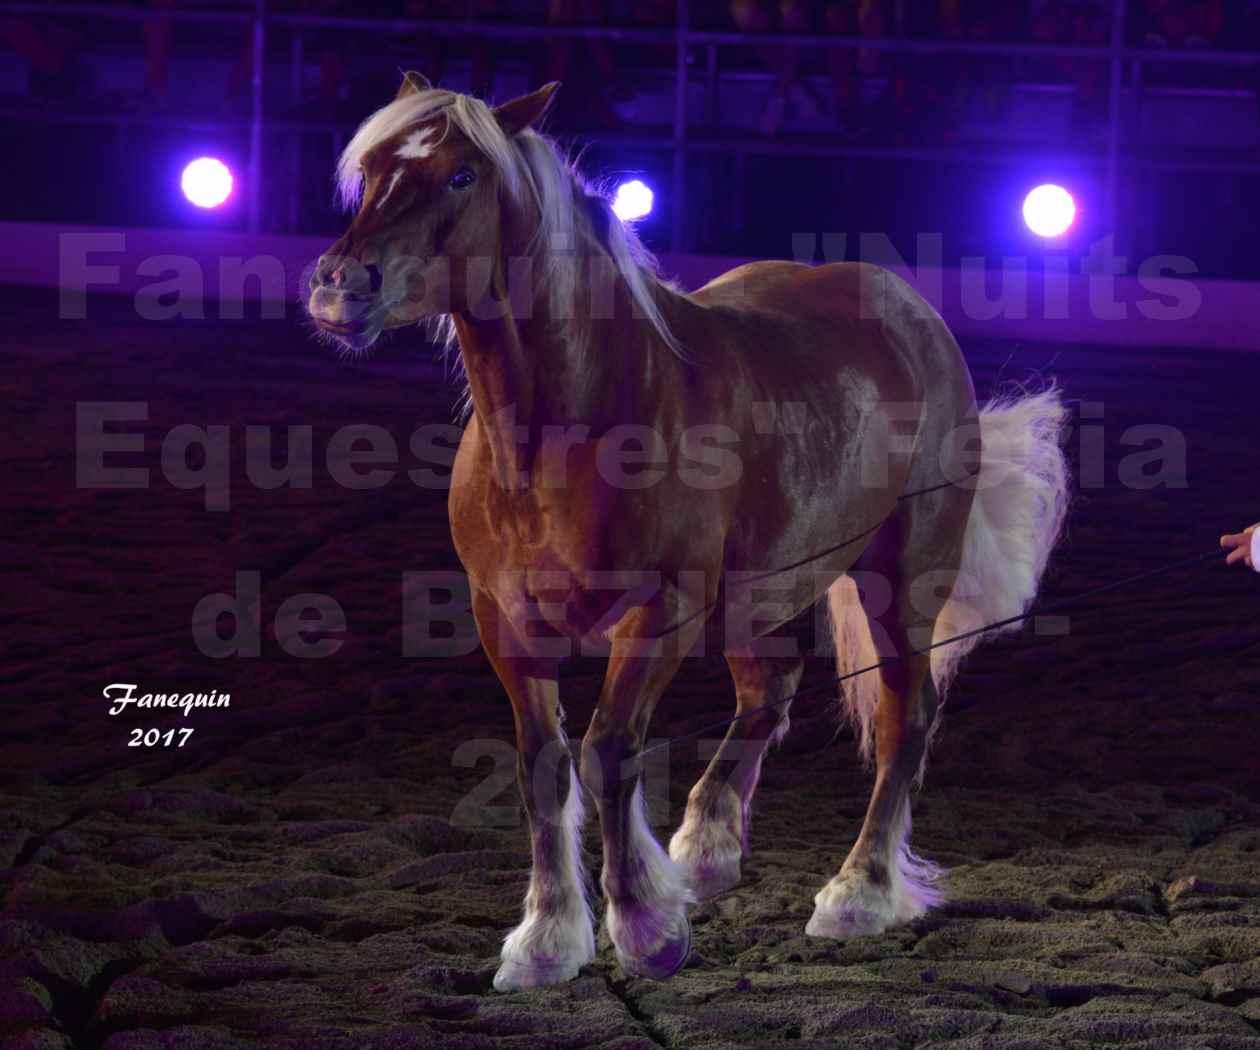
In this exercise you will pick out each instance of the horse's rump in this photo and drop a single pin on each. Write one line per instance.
(1016, 519)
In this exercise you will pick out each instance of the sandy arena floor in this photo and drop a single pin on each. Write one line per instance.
(292, 876)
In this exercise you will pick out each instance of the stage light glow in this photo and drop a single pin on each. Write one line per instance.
(206, 182)
(1049, 211)
(633, 200)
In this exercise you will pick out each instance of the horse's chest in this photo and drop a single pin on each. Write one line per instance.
(540, 568)
(573, 605)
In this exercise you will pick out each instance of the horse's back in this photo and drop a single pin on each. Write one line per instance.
(747, 285)
(834, 292)
(840, 313)
(844, 338)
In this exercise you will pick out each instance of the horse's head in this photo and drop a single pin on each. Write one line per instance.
(429, 173)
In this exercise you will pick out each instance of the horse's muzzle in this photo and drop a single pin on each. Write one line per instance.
(343, 273)
(354, 320)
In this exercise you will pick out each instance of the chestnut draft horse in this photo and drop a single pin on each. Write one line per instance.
(871, 402)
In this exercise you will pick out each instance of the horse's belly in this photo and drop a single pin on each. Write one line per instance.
(808, 524)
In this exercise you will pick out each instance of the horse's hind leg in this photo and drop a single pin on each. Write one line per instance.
(882, 883)
(713, 837)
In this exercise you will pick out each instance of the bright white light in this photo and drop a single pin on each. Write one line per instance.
(206, 182)
(633, 201)
(1049, 211)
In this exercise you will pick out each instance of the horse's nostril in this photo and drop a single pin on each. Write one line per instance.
(348, 276)
(326, 274)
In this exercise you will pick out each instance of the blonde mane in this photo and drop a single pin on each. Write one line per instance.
(531, 169)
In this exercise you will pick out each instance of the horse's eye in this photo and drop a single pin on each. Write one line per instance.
(462, 179)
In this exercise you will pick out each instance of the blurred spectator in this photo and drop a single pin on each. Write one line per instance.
(932, 91)
(158, 39)
(51, 49)
(593, 69)
(159, 42)
(870, 18)
(1084, 23)
(1182, 23)
(585, 66)
(326, 45)
(434, 49)
(622, 94)
(653, 14)
(429, 52)
(1178, 24)
(783, 16)
(1245, 34)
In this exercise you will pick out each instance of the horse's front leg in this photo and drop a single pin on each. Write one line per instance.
(646, 892)
(555, 938)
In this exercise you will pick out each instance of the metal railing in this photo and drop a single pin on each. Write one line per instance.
(682, 37)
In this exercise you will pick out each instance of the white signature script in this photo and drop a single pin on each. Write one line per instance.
(120, 694)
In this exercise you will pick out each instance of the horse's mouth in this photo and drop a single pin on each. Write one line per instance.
(356, 334)
(353, 321)
(343, 327)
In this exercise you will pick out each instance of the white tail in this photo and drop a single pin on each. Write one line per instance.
(1015, 522)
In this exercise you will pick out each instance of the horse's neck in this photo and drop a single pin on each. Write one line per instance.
(528, 373)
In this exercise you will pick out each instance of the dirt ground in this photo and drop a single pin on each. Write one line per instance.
(332, 861)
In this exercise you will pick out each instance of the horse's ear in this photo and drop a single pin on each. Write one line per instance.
(413, 83)
(523, 112)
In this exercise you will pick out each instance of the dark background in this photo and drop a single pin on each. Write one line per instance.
(315, 868)
(932, 142)
(332, 862)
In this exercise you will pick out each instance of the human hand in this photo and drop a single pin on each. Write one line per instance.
(1241, 542)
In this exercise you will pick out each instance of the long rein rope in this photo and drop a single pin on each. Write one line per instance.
(811, 558)
(830, 683)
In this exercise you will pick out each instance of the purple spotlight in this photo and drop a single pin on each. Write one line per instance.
(633, 200)
(206, 182)
(1049, 211)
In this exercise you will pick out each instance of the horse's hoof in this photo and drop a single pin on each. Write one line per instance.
(709, 856)
(712, 880)
(514, 975)
(663, 963)
(844, 925)
(851, 906)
